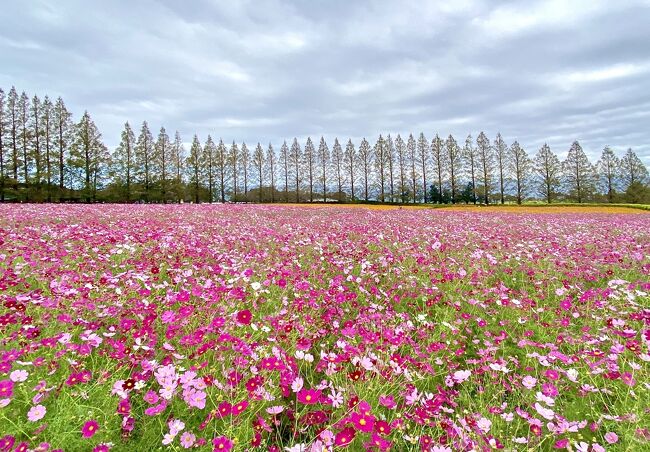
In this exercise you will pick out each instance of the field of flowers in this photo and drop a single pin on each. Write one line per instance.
(234, 327)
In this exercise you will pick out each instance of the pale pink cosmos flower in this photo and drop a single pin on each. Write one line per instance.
(461, 375)
(187, 440)
(484, 424)
(277, 409)
(36, 413)
(529, 382)
(168, 438)
(611, 437)
(546, 413)
(296, 384)
(18, 376)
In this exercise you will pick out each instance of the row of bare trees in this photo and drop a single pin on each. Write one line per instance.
(409, 171)
(46, 156)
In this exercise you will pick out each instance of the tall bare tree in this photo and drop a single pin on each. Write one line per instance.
(310, 166)
(210, 165)
(365, 159)
(390, 162)
(486, 162)
(608, 169)
(23, 121)
(195, 168)
(633, 170)
(438, 161)
(36, 135)
(162, 161)
(454, 161)
(350, 163)
(401, 157)
(579, 173)
(178, 163)
(258, 164)
(88, 155)
(124, 166)
(380, 151)
(295, 155)
(222, 169)
(548, 169)
(64, 130)
(337, 166)
(411, 152)
(270, 168)
(501, 154)
(144, 157)
(284, 163)
(423, 161)
(471, 158)
(520, 166)
(47, 121)
(12, 117)
(233, 158)
(245, 164)
(323, 158)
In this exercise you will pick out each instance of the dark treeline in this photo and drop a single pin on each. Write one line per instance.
(47, 156)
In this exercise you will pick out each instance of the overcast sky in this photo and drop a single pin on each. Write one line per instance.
(268, 70)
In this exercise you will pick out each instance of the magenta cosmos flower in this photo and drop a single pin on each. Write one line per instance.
(222, 444)
(244, 317)
(308, 396)
(89, 429)
(344, 437)
(6, 388)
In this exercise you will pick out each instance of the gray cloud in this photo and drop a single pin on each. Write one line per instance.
(267, 70)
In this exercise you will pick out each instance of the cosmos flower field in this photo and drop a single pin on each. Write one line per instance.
(235, 327)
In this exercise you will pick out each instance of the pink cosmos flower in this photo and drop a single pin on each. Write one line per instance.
(224, 409)
(6, 388)
(18, 376)
(244, 317)
(308, 396)
(239, 408)
(387, 401)
(484, 424)
(461, 375)
(344, 437)
(168, 316)
(89, 429)
(277, 409)
(611, 437)
(382, 427)
(151, 397)
(552, 374)
(529, 382)
(561, 444)
(156, 409)
(550, 390)
(566, 304)
(7, 442)
(222, 444)
(195, 398)
(628, 379)
(36, 413)
(296, 385)
(187, 439)
(362, 422)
